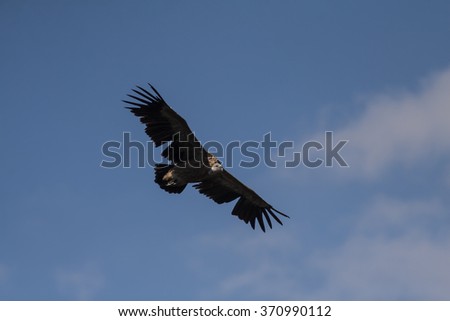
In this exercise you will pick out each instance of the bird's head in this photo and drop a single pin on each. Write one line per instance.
(216, 168)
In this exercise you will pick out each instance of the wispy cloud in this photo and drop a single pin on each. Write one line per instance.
(81, 283)
(261, 268)
(403, 128)
(398, 250)
(397, 245)
(263, 280)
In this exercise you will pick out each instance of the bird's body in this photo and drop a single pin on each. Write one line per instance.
(182, 175)
(189, 162)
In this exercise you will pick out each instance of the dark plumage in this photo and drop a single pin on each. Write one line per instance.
(189, 162)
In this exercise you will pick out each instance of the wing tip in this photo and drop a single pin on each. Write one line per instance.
(156, 92)
(281, 213)
(251, 213)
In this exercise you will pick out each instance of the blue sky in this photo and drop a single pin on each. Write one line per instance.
(376, 73)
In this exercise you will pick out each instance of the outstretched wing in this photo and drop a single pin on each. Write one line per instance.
(224, 187)
(164, 125)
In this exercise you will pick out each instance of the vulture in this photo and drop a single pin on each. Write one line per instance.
(189, 162)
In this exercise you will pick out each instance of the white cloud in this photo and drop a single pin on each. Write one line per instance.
(264, 279)
(80, 283)
(398, 250)
(395, 249)
(260, 271)
(399, 129)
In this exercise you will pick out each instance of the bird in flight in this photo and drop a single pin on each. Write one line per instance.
(189, 162)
